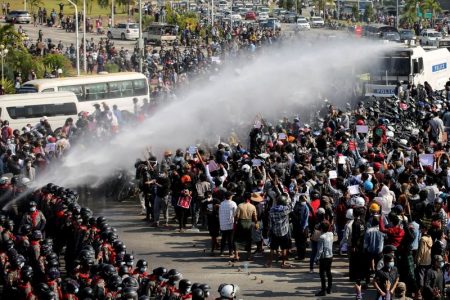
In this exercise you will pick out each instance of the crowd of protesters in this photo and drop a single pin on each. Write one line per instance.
(364, 194)
(331, 189)
(170, 66)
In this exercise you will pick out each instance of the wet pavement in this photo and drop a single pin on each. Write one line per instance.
(188, 252)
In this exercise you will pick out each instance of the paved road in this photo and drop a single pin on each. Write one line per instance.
(57, 34)
(188, 253)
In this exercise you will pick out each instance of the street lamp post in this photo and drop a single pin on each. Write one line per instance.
(212, 12)
(84, 37)
(396, 17)
(140, 43)
(77, 37)
(112, 13)
(24, 4)
(3, 52)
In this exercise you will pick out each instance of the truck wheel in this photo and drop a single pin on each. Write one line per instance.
(110, 36)
(122, 36)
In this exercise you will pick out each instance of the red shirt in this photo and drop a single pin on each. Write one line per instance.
(394, 234)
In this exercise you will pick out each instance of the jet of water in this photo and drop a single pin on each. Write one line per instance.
(288, 78)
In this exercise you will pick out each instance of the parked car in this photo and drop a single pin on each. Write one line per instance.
(250, 15)
(124, 31)
(317, 22)
(407, 34)
(263, 16)
(273, 24)
(18, 16)
(290, 17)
(390, 36)
(303, 24)
(430, 37)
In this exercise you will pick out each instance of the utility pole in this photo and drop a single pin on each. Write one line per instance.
(112, 13)
(84, 37)
(77, 44)
(140, 43)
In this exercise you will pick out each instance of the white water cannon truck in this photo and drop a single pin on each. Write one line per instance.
(408, 63)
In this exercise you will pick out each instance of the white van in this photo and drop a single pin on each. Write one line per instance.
(23, 109)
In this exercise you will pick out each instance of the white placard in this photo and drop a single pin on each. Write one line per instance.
(426, 159)
(342, 160)
(192, 150)
(353, 189)
(282, 136)
(362, 128)
(264, 155)
(256, 162)
(257, 124)
(213, 166)
(332, 174)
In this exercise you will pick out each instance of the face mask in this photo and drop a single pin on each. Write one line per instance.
(33, 208)
(302, 203)
(441, 265)
(391, 264)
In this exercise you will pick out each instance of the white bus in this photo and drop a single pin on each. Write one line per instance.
(408, 64)
(114, 89)
(23, 109)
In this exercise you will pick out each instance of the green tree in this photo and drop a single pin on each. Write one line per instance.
(368, 13)
(23, 62)
(34, 4)
(322, 4)
(289, 4)
(432, 6)
(103, 3)
(10, 37)
(409, 15)
(282, 3)
(355, 12)
(8, 86)
(58, 61)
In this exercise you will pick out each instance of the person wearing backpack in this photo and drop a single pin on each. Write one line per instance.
(7, 131)
(379, 133)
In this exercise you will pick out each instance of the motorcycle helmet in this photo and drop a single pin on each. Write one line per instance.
(228, 291)
(130, 282)
(129, 259)
(129, 294)
(198, 294)
(349, 214)
(206, 288)
(184, 286)
(173, 275)
(70, 286)
(124, 271)
(87, 293)
(108, 271)
(26, 273)
(114, 283)
(142, 265)
(8, 244)
(160, 273)
(53, 273)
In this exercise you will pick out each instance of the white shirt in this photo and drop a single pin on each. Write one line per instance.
(227, 210)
